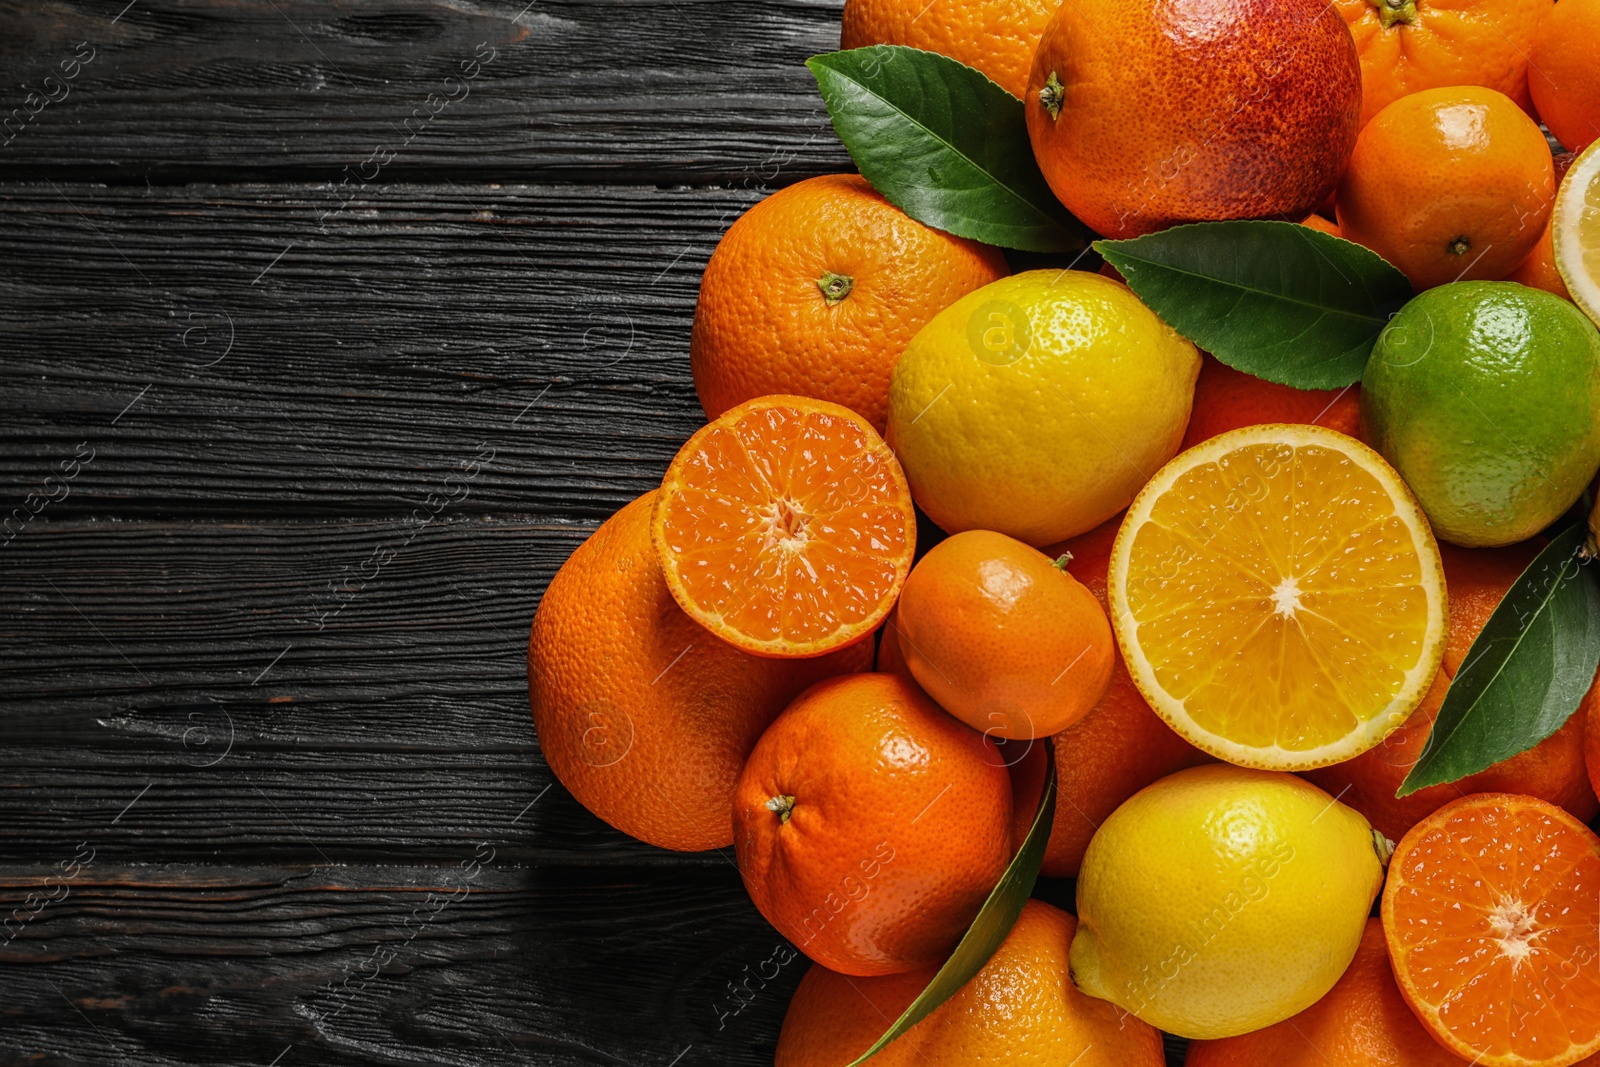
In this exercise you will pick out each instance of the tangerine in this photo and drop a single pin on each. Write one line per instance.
(1003, 638)
(785, 527)
(1410, 45)
(816, 290)
(870, 826)
(1227, 399)
(1449, 184)
(1493, 922)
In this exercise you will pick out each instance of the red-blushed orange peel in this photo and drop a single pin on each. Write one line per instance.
(785, 527)
(1492, 915)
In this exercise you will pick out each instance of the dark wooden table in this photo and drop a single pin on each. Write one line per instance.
(327, 331)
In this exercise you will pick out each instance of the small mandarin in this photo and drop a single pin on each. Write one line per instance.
(1448, 185)
(870, 826)
(815, 290)
(1004, 639)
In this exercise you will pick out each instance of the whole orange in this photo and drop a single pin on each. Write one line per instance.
(1020, 1010)
(1538, 267)
(1117, 749)
(641, 714)
(817, 289)
(1363, 1021)
(1243, 109)
(1562, 73)
(1552, 770)
(995, 36)
(1448, 185)
(870, 826)
(1003, 638)
(1410, 45)
(1226, 399)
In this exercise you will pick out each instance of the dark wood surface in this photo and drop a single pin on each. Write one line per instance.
(258, 804)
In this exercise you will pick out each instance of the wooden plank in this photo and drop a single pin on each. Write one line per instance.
(475, 963)
(219, 354)
(258, 687)
(631, 90)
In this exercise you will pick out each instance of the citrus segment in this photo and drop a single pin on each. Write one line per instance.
(1279, 597)
(1492, 914)
(785, 527)
(1575, 231)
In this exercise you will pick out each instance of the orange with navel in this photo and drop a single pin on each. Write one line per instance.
(785, 527)
(998, 37)
(1143, 116)
(816, 290)
(1449, 185)
(1410, 45)
(1002, 637)
(870, 826)
(643, 716)
(1553, 770)
(1492, 917)
(1021, 1009)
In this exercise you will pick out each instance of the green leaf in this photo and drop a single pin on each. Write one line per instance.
(1525, 674)
(1277, 300)
(993, 921)
(944, 144)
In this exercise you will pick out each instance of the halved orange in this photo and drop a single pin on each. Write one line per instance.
(1492, 914)
(1278, 597)
(786, 527)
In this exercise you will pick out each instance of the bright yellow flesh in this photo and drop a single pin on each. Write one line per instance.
(1575, 231)
(1279, 597)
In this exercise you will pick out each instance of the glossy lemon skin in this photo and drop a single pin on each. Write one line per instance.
(1485, 396)
(1222, 899)
(1037, 405)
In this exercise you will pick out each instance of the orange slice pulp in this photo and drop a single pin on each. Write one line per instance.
(1279, 597)
(1492, 914)
(786, 527)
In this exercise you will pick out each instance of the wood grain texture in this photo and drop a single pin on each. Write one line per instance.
(476, 962)
(641, 90)
(224, 355)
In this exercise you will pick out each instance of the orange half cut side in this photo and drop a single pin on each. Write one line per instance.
(786, 527)
(1279, 597)
(1492, 914)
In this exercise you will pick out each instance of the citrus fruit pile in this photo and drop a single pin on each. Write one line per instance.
(1234, 564)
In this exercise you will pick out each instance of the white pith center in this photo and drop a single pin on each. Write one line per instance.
(1515, 926)
(786, 526)
(1286, 598)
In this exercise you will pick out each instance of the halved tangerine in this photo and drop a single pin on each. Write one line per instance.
(1492, 914)
(786, 527)
(1279, 597)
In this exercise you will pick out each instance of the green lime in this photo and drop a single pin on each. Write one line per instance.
(1485, 396)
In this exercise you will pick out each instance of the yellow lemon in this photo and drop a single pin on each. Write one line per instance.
(1039, 404)
(1222, 899)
